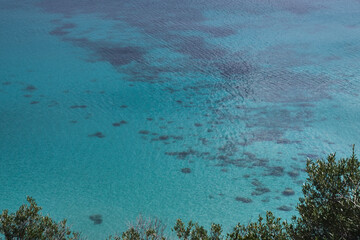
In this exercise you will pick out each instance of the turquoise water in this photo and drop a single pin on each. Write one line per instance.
(172, 109)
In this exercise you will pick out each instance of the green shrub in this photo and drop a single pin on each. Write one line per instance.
(271, 228)
(28, 223)
(194, 232)
(330, 208)
(145, 229)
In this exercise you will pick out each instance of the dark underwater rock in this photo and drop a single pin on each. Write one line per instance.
(256, 183)
(78, 106)
(260, 191)
(243, 199)
(96, 218)
(144, 132)
(288, 192)
(97, 134)
(183, 154)
(118, 124)
(30, 88)
(293, 174)
(186, 170)
(275, 171)
(163, 137)
(284, 208)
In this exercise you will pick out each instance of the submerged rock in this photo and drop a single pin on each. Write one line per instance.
(164, 137)
(118, 124)
(243, 199)
(78, 106)
(260, 191)
(284, 208)
(144, 132)
(293, 174)
(96, 218)
(97, 134)
(30, 88)
(275, 171)
(186, 170)
(288, 192)
(256, 183)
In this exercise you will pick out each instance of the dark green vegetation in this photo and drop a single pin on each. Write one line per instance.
(329, 209)
(28, 223)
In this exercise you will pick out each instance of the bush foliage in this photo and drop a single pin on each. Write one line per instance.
(28, 223)
(329, 209)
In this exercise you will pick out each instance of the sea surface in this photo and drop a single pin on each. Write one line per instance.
(202, 110)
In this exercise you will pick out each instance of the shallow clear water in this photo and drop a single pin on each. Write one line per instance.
(172, 109)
